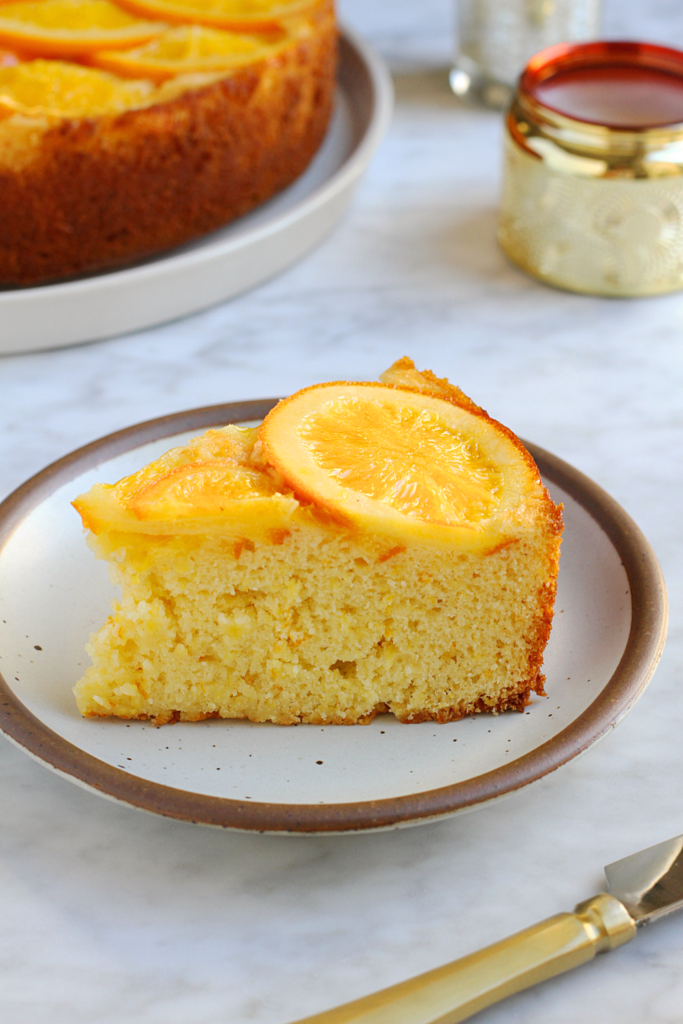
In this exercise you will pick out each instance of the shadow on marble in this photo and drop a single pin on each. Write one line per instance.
(429, 86)
(426, 85)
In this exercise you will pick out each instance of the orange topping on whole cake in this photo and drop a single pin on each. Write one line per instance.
(190, 49)
(56, 89)
(197, 112)
(238, 15)
(71, 28)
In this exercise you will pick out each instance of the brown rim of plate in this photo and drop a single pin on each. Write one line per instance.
(639, 660)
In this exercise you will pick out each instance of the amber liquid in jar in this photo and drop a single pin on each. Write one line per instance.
(615, 96)
(593, 182)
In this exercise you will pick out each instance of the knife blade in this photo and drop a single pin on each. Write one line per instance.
(641, 888)
(649, 883)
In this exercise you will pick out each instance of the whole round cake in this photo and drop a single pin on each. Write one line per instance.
(131, 127)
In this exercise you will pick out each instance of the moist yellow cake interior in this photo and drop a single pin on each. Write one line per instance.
(241, 599)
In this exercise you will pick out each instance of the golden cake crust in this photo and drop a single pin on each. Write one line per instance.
(86, 194)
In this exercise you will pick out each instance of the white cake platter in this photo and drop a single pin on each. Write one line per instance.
(607, 637)
(226, 262)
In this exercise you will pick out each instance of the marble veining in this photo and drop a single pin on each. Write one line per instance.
(109, 915)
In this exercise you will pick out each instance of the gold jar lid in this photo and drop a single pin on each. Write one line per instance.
(593, 182)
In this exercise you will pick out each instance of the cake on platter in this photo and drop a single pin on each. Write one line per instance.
(128, 127)
(371, 547)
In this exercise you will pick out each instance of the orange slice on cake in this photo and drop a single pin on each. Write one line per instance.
(71, 28)
(412, 465)
(189, 49)
(205, 477)
(59, 89)
(210, 480)
(199, 488)
(237, 15)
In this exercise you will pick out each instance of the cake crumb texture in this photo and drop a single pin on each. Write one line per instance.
(318, 629)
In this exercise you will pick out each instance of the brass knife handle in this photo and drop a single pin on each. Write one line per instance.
(454, 992)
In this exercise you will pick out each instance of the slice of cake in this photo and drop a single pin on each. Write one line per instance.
(370, 548)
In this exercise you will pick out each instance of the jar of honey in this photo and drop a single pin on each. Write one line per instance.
(593, 175)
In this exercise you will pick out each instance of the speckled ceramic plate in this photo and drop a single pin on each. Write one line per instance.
(229, 261)
(608, 635)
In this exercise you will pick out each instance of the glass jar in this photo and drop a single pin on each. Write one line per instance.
(593, 174)
(495, 39)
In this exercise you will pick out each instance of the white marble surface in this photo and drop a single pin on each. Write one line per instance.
(111, 916)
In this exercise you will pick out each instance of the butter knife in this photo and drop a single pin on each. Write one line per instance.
(640, 888)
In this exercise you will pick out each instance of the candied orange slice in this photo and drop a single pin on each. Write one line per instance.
(238, 15)
(189, 49)
(203, 477)
(58, 89)
(212, 479)
(399, 462)
(71, 28)
(199, 488)
(229, 444)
